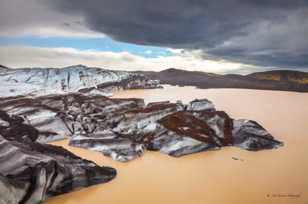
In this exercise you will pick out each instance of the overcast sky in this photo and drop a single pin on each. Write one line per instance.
(223, 36)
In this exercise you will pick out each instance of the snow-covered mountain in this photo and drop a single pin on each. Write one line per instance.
(43, 81)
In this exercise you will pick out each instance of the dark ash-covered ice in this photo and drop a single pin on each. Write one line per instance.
(124, 128)
(30, 171)
(172, 128)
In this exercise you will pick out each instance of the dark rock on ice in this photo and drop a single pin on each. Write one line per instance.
(250, 135)
(15, 129)
(118, 148)
(220, 123)
(200, 105)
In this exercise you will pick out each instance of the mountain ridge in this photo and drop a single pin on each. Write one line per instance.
(283, 80)
(80, 77)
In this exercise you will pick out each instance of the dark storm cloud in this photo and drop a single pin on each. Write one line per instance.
(163, 22)
(260, 32)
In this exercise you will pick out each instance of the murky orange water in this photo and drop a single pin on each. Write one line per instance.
(271, 176)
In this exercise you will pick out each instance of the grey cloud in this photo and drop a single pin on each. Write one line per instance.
(269, 33)
(34, 17)
(262, 32)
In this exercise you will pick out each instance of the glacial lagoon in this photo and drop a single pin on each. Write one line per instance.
(227, 176)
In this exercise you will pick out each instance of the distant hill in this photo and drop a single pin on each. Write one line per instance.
(285, 80)
(282, 75)
(39, 81)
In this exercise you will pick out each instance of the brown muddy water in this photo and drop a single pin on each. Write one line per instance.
(213, 177)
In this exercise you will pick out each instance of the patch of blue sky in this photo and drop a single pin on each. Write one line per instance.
(97, 44)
